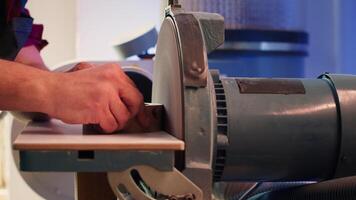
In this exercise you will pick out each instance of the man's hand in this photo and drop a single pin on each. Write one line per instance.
(95, 95)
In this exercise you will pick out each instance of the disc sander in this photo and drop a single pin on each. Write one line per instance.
(167, 78)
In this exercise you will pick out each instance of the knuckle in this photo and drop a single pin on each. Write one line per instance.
(107, 128)
(107, 73)
(102, 90)
(112, 128)
(111, 73)
(95, 106)
(114, 66)
(106, 89)
(140, 98)
(81, 63)
(124, 119)
(94, 118)
(118, 72)
(109, 125)
(135, 109)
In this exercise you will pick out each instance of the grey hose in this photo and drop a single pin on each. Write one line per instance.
(338, 189)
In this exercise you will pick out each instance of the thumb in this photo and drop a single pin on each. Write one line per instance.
(81, 66)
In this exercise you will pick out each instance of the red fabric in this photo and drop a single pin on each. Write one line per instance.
(35, 37)
(15, 9)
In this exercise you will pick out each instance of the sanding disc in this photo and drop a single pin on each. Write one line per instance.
(167, 78)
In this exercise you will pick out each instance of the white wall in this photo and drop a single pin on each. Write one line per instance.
(101, 25)
(87, 29)
(323, 43)
(59, 18)
(331, 27)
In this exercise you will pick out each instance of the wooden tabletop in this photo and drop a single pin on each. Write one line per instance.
(56, 135)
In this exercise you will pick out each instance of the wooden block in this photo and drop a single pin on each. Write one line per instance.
(93, 186)
(153, 111)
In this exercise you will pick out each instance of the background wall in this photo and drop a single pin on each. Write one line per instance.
(347, 35)
(102, 25)
(59, 18)
(332, 30)
(87, 29)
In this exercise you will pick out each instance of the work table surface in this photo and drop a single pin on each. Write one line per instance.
(56, 135)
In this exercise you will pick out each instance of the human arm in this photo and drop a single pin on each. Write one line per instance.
(98, 95)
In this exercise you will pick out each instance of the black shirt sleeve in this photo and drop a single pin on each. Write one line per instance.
(13, 34)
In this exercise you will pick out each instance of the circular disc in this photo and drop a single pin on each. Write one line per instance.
(167, 78)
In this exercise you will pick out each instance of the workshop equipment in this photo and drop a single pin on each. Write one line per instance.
(262, 38)
(138, 46)
(224, 128)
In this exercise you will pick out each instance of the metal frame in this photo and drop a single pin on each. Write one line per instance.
(103, 161)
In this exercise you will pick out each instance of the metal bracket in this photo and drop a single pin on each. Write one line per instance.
(153, 184)
(344, 87)
(198, 34)
(174, 3)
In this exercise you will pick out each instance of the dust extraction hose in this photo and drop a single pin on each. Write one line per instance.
(340, 189)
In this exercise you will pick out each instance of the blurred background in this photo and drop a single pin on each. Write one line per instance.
(87, 29)
(324, 33)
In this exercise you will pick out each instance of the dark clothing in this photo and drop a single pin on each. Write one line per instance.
(17, 29)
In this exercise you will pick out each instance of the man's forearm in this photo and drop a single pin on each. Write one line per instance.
(23, 88)
(101, 95)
